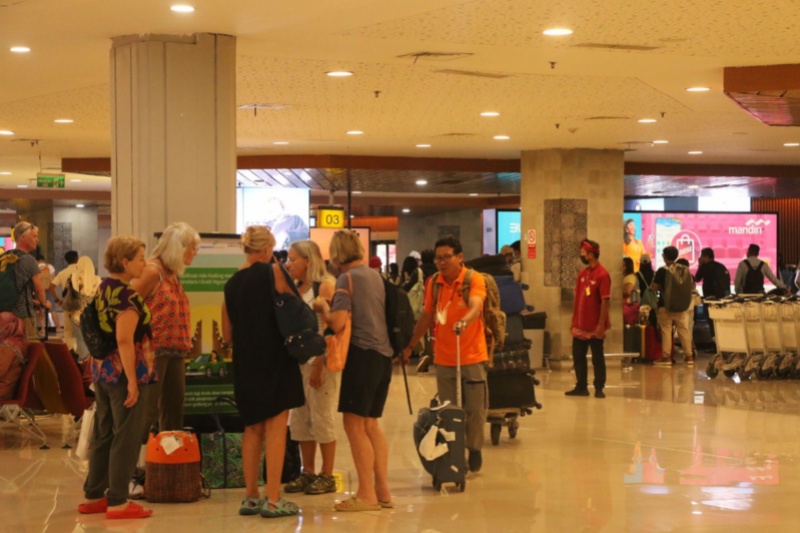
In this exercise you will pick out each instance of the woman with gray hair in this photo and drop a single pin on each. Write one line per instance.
(161, 289)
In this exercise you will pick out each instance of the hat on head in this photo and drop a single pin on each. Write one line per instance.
(375, 262)
(416, 255)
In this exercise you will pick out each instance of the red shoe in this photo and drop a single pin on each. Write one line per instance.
(133, 510)
(100, 506)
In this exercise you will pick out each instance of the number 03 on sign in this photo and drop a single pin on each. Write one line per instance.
(330, 217)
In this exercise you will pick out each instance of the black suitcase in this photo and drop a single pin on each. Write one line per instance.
(515, 332)
(512, 359)
(511, 391)
(494, 265)
(452, 466)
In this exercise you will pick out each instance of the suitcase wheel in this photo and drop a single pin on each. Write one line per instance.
(463, 486)
(496, 429)
(512, 429)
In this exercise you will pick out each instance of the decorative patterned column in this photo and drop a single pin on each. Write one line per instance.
(568, 196)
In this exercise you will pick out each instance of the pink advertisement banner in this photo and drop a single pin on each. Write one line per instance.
(728, 234)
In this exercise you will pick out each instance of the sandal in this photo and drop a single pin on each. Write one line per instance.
(100, 506)
(386, 505)
(355, 505)
(133, 510)
(278, 509)
(251, 506)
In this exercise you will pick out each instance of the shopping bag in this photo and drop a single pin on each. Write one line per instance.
(85, 437)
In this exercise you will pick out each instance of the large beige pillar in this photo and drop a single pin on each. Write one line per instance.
(567, 196)
(173, 105)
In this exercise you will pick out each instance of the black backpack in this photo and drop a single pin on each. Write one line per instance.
(100, 343)
(9, 295)
(722, 282)
(754, 280)
(399, 317)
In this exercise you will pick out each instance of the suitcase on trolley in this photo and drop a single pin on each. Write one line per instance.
(451, 423)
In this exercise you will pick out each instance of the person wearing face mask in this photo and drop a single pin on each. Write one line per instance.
(590, 321)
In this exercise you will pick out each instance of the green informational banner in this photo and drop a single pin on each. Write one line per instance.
(46, 181)
(199, 398)
(206, 279)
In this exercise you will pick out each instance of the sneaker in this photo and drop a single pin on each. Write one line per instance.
(322, 484)
(664, 361)
(577, 392)
(424, 364)
(475, 461)
(690, 361)
(300, 483)
(598, 393)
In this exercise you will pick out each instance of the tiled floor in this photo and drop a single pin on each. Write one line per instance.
(668, 450)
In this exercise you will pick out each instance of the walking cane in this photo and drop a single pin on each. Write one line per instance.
(405, 380)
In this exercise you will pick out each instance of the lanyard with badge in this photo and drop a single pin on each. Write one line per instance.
(441, 314)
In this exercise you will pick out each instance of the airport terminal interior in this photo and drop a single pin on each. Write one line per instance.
(637, 125)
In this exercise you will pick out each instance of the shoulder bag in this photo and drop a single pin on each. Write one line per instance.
(339, 343)
(297, 322)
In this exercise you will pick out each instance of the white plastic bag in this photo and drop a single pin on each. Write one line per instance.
(85, 438)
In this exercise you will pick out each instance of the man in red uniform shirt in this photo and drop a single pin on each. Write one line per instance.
(590, 321)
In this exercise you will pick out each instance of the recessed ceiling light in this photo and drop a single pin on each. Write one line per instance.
(490, 114)
(694, 186)
(698, 89)
(6, 132)
(182, 8)
(355, 132)
(339, 74)
(356, 192)
(660, 141)
(5, 173)
(501, 137)
(647, 120)
(695, 152)
(788, 145)
(20, 49)
(406, 210)
(473, 194)
(557, 31)
(423, 146)
(74, 181)
(352, 216)
(421, 182)
(22, 186)
(80, 206)
(281, 142)
(63, 121)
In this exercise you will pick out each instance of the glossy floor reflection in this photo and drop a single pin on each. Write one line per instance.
(668, 450)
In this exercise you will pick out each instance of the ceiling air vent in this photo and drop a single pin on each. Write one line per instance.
(457, 134)
(473, 73)
(435, 56)
(630, 47)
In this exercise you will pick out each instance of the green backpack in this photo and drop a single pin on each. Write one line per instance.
(8, 280)
(649, 296)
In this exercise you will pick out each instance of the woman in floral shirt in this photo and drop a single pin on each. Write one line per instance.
(123, 384)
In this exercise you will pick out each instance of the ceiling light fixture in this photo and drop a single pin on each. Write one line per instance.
(406, 210)
(788, 145)
(698, 89)
(647, 120)
(6, 132)
(661, 141)
(423, 146)
(555, 32)
(22, 186)
(490, 114)
(5, 173)
(355, 132)
(281, 142)
(695, 152)
(63, 121)
(473, 194)
(182, 8)
(421, 183)
(80, 206)
(501, 137)
(20, 49)
(356, 192)
(339, 74)
(74, 181)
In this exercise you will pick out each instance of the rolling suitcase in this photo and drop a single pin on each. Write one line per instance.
(450, 422)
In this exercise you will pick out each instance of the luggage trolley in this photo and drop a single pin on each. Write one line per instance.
(764, 334)
(733, 346)
(791, 338)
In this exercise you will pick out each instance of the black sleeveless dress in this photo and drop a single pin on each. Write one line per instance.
(266, 379)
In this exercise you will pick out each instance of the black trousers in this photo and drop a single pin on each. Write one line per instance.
(579, 350)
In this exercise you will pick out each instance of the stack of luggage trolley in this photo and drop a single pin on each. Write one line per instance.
(511, 380)
(757, 336)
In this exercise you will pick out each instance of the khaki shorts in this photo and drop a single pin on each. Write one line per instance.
(316, 420)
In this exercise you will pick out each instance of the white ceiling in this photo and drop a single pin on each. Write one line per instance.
(284, 48)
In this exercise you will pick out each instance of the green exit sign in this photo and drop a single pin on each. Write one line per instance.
(50, 181)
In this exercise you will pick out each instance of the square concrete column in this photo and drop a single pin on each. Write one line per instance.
(568, 196)
(173, 109)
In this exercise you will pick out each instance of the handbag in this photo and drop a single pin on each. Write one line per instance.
(297, 322)
(339, 343)
(85, 437)
(71, 299)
